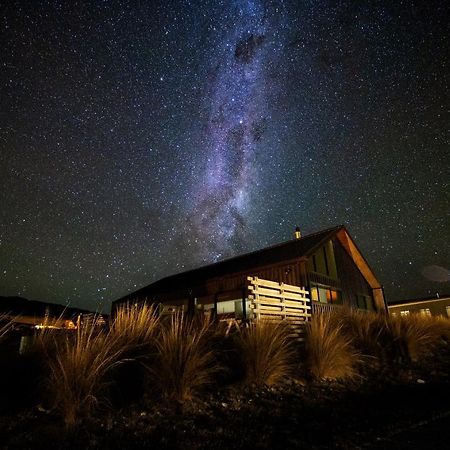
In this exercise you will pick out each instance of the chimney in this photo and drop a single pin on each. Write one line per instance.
(297, 233)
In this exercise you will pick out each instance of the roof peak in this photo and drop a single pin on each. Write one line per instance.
(293, 248)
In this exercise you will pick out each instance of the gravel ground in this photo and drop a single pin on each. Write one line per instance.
(400, 413)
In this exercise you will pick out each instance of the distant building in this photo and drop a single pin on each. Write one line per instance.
(429, 306)
(25, 313)
(328, 264)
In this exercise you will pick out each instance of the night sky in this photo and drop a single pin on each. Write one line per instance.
(139, 139)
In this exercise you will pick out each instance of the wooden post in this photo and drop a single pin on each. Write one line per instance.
(191, 304)
(244, 304)
(215, 306)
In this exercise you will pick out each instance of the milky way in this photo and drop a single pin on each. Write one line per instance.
(139, 140)
(238, 113)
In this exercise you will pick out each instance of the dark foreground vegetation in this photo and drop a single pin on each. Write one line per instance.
(357, 381)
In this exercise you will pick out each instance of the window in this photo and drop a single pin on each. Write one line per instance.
(425, 312)
(364, 302)
(447, 308)
(325, 294)
(323, 261)
(404, 313)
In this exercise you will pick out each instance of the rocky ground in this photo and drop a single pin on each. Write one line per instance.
(408, 410)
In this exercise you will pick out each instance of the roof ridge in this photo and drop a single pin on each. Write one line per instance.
(236, 258)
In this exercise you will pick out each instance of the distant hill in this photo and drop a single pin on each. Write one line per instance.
(22, 306)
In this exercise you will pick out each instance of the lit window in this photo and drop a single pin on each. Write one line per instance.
(314, 294)
(425, 312)
(325, 294)
(447, 308)
(404, 313)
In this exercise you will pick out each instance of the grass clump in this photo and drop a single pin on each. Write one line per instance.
(330, 354)
(136, 325)
(78, 371)
(268, 355)
(416, 337)
(185, 361)
(5, 325)
(366, 330)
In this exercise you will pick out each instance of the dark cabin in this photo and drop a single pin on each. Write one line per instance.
(328, 264)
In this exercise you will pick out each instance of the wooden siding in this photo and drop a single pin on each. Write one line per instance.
(319, 278)
(352, 281)
(233, 286)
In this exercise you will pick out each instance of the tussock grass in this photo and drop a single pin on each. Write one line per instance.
(5, 325)
(267, 351)
(78, 371)
(135, 325)
(415, 337)
(185, 361)
(330, 354)
(366, 329)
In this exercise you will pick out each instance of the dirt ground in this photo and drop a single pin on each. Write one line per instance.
(405, 412)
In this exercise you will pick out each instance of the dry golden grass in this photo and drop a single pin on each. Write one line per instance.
(366, 329)
(5, 325)
(267, 352)
(185, 361)
(135, 325)
(415, 336)
(78, 369)
(329, 350)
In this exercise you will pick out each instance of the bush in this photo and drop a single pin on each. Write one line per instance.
(136, 326)
(329, 350)
(366, 330)
(185, 361)
(415, 337)
(268, 355)
(5, 325)
(78, 370)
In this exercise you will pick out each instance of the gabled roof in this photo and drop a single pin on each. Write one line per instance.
(295, 248)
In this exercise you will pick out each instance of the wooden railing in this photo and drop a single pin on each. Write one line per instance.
(278, 301)
(318, 308)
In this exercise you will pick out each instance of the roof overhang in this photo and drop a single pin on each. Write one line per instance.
(354, 252)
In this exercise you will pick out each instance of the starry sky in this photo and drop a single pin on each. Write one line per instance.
(140, 139)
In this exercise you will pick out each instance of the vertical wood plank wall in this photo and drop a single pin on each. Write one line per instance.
(352, 281)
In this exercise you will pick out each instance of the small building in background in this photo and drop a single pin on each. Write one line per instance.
(328, 264)
(29, 314)
(438, 305)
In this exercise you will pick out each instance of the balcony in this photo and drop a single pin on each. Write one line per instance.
(320, 308)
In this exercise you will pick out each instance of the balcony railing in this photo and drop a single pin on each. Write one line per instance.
(318, 308)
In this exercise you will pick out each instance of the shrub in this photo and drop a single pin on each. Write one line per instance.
(365, 329)
(267, 352)
(185, 361)
(415, 336)
(78, 370)
(135, 325)
(329, 351)
(5, 325)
